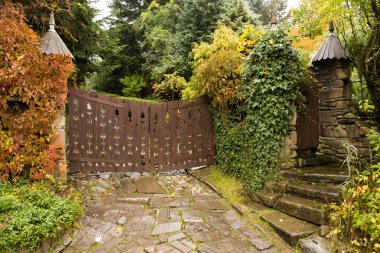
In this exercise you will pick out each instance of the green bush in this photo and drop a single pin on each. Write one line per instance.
(41, 214)
(133, 85)
(8, 203)
(357, 218)
(250, 136)
(170, 88)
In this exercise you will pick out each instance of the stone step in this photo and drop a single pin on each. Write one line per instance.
(267, 198)
(306, 209)
(288, 227)
(325, 193)
(326, 174)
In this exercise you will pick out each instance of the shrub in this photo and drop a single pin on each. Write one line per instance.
(170, 88)
(40, 214)
(133, 85)
(250, 135)
(33, 89)
(357, 218)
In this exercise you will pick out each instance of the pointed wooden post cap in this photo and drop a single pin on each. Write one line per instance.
(331, 28)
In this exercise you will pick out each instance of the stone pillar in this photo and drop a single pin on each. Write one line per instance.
(337, 123)
(59, 140)
(288, 153)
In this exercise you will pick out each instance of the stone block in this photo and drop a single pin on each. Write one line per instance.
(269, 199)
(167, 228)
(332, 93)
(339, 132)
(325, 117)
(305, 209)
(364, 152)
(336, 84)
(290, 228)
(315, 244)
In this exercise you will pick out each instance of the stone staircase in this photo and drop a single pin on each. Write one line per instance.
(299, 204)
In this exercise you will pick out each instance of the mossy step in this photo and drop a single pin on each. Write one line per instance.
(267, 198)
(288, 227)
(306, 209)
(327, 173)
(324, 193)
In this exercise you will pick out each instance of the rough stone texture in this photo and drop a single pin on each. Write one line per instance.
(321, 192)
(337, 124)
(147, 185)
(306, 209)
(315, 245)
(267, 198)
(290, 228)
(119, 220)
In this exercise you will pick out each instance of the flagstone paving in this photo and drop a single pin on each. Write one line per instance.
(159, 214)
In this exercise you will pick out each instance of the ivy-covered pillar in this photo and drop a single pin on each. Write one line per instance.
(52, 43)
(337, 122)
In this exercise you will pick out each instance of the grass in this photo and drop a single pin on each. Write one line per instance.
(230, 187)
(128, 98)
(33, 213)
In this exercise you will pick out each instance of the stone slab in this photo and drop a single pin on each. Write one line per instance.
(315, 244)
(321, 192)
(268, 198)
(290, 228)
(162, 216)
(148, 185)
(207, 205)
(192, 216)
(176, 237)
(167, 228)
(306, 209)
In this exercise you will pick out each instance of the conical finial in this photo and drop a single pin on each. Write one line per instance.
(331, 29)
(52, 21)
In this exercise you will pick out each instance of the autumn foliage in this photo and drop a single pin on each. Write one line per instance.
(33, 89)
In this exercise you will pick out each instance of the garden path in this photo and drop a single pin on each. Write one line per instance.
(162, 213)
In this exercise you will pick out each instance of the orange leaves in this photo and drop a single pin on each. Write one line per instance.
(33, 89)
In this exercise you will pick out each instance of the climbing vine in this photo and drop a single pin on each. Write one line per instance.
(32, 90)
(250, 136)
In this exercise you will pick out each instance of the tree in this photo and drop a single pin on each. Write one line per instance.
(217, 68)
(160, 43)
(197, 22)
(121, 54)
(75, 24)
(267, 8)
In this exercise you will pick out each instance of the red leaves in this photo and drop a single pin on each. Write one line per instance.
(33, 89)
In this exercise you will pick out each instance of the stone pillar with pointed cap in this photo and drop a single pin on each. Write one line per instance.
(52, 43)
(337, 123)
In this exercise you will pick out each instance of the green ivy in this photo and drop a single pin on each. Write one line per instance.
(37, 213)
(251, 135)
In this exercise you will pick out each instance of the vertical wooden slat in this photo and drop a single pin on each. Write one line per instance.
(109, 134)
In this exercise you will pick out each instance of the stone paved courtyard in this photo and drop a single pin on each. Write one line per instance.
(162, 213)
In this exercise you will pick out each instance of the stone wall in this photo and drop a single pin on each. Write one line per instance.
(337, 123)
(288, 154)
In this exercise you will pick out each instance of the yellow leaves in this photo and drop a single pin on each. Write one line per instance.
(248, 39)
(118, 230)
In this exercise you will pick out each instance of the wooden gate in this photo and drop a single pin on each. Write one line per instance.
(307, 121)
(110, 134)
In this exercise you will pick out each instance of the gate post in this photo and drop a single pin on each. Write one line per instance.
(337, 123)
(51, 43)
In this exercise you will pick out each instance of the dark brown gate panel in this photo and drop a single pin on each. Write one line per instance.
(109, 134)
(307, 121)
